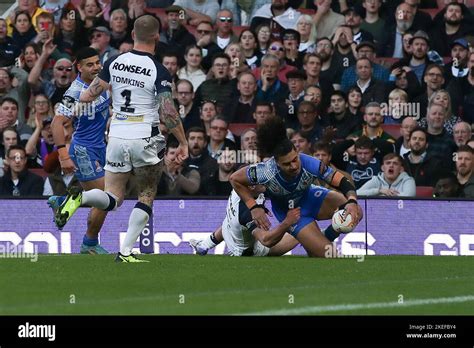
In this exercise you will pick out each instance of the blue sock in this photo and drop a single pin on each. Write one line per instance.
(330, 233)
(89, 241)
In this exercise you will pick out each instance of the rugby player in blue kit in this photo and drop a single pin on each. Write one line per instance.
(288, 178)
(85, 156)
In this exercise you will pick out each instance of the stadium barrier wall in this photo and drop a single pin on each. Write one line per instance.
(390, 226)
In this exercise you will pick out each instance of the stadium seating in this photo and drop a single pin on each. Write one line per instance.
(238, 128)
(424, 191)
(392, 129)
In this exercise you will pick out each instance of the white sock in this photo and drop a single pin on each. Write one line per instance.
(136, 224)
(208, 243)
(96, 198)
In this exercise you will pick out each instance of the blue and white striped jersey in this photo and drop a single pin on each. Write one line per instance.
(280, 190)
(89, 119)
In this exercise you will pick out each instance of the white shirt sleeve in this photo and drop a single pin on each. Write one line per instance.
(47, 189)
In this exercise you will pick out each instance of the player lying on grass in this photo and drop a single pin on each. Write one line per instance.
(288, 177)
(241, 234)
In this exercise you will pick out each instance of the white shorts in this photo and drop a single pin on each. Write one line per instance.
(125, 154)
(241, 242)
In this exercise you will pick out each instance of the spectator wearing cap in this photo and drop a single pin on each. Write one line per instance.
(198, 11)
(240, 109)
(14, 84)
(365, 49)
(41, 142)
(462, 92)
(291, 43)
(372, 22)
(176, 37)
(458, 66)
(224, 36)
(8, 49)
(326, 20)
(419, 59)
(353, 19)
(278, 15)
(296, 82)
(18, 180)
(453, 27)
(100, 40)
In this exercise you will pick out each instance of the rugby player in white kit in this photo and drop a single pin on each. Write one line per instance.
(241, 234)
(141, 94)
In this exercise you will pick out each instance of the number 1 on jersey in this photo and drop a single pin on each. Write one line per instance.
(127, 94)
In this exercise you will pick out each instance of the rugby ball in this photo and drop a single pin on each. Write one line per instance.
(342, 222)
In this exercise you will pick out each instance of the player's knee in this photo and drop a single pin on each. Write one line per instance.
(114, 202)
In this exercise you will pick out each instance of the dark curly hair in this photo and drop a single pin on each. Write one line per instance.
(272, 139)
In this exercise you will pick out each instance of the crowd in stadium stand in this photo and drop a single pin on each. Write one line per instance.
(382, 90)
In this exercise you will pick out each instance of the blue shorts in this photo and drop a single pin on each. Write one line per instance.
(89, 161)
(310, 205)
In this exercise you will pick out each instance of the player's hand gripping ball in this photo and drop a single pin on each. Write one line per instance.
(342, 222)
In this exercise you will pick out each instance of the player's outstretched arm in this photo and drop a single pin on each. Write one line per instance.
(94, 90)
(272, 237)
(241, 183)
(172, 121)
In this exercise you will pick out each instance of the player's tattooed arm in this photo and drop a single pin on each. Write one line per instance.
(168, 112)
(172, 121)
(95, 89)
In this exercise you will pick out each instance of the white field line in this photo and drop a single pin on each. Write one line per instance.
(228, 292)
(359, 306)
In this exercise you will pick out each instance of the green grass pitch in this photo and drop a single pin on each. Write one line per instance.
(194, 285)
